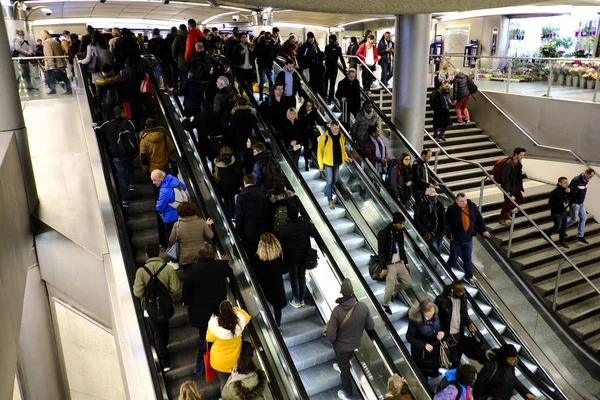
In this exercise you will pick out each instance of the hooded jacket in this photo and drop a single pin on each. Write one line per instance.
(166, 196)
(455, 225)
(294, 237)
(261, 160)
(178, 49)
(167, 276)
(194, 36)
(347, 338)
(241, 125)
(420, 333)
(445, 307)
(191, 232)
(497, 380)
(252, 214)
(245, 386)
(201, 62)
(227, 175)
(111, 130)
(288, 50)
(386, 247)
(160, 48)
(153, 151)
(226, 347)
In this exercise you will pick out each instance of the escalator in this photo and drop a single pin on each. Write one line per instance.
(302, 329)
(137, 224)
(366, 195)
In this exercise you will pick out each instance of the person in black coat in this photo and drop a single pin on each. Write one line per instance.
(252, 214)
(310, 119)
(132, 79)
(206, 124)
(223, 101)
(348, 91)
(401, 179)
(559, 202)
(267, 264)
(497, 379)
(192, 92)
(292, 135)
(461, 95)
(333, 53)
(274, 109)
(430, 217)
(441, 102)
(204, 288)
(126, 47)
(424, 334)
(421, 179)
(295, 242)
(202, 64)
(228, 176)
(291, 82)
(242, 124)
(452, 324)
(264, 52)
(159, 48)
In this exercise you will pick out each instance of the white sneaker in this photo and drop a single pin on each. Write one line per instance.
(343, 396)
(337, 368)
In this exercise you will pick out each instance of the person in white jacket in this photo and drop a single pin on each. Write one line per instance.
(21, 48)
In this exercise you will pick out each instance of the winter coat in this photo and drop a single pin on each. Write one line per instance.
(498, 385)
(370, 151)
(287, 198)
(362, 54)
(400, 175)
(252, 214)
(111, 130)
(441, 110)
(166, 196)
(167, 276)
(290, 132)
(461, 86)
(421, 179)
(96, 57)
(351, 51)
(201, 62)
(455, 225)
(222, 104)
(242, 124)
(362, 123)
(261, 161)
(268, 274)
(445, 309)
(288, 50)
(237, 58)
(153, 151)
(351, 91)
(178, 49)
(325, 150)
(294, 237)
(245, 386)
(204, 288)
(512, 176)
(579, 186)
(296, 85)
(430, 217)
(381, 50)
(347, 338)
(264, 54)
(191, 232)
(103, 85)
(227, 346)
(227, 175)
(386, 245)
(557, 200)
(275, 111)
(230, 45)
(125, 47)
(132, 80)
(51, 49)
(333, 53)
(310, 122)
(22, 47)
(194, 36)
(191, 91)
(420, 333)
(159, 48)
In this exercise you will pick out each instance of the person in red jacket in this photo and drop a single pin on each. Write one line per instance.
(194, 36)
(367, 53)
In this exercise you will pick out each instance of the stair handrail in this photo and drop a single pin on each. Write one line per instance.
(364, 65)
(446, 55)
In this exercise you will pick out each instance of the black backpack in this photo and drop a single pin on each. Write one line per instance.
(125, 141)
(111, 98)
(280, 218)
(159, 303)
(471, 86)
(273, 176)
(375, 268)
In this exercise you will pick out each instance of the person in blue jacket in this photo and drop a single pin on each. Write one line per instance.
(460, 382)
(166, 205)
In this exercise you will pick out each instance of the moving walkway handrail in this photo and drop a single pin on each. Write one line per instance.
(375, 175)
(375, 304)
(202, 178)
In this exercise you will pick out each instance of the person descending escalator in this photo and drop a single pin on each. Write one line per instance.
(333, 54)
(348, 92)
(311, 58)
(311, 120)
(367, 53)
(424, 335)
(364, 119)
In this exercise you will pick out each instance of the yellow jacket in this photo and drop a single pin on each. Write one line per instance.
(325, 149)
(226, 348)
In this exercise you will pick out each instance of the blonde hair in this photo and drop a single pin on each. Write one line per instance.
(291, 111)
(269, 247)
(395, 384)
(116, 32)
(189, 391)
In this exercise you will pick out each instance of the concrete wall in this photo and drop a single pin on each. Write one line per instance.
(554, 122)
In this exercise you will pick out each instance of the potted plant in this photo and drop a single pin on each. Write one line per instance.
(574, 76)
(560, 73)
(582, 72)
(590, 79)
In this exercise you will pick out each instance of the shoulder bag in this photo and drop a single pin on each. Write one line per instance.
(173, 250)
(346, 318)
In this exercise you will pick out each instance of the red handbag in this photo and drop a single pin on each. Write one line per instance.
(146, 86)
(211, 374)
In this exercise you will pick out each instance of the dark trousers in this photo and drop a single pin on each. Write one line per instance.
(125, 175)
(277, 315)
(290, 101)
(58, 74)
(464, 250)
(418, 195)
(229, 206)
(223, 378)
(560, 225)
(183, 76)
(168, 226)
(508, 205)
(247, 76)
(26, 74)
(298, 281)
(367, 77)
(161, 340)
(295, 155)
(343, 360)
(454, 353)
(329, 79)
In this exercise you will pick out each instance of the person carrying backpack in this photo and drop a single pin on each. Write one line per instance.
(172, 192)
(280, 200)
(154, 285)
(265, 170)
(331, 153)
(109, 92)
(458, 384)
(119, 133)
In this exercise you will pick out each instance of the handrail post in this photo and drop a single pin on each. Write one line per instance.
(510, 233)
(481, 192)
(597, 81)
(556, 286)
(508, 78)
(550, 78)
(435, 163)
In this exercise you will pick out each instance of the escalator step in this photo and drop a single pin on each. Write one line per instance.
(302, 331)
(312, 353)
(320, 378)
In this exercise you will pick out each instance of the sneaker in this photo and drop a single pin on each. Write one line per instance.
(166, 369)
(332, 205)
(336, 367)
(470, 281)
(443, 138)
(466, 122)
(132, 188)
(301, 304)
(563, 244)
(387, 309)
(51, 92)
(503, 222)
(125, 204)
(582, 240)
(343, 396)
(295, 305)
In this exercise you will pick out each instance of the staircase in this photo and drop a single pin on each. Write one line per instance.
(578, 305)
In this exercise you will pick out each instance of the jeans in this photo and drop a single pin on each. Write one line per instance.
(343, 360)
(52, 75)
(298, 281)
(508, 205)
(461, 108)
(268, 73)
(183, 76)
(464, 250)
(295, 155)
(161, 339)
(329, 80)
(578, 211)
(125, 175)
(560, 225)
(367, 77)
(26, 74)
(332, 173)
(386, 72)
(438, 243)
(398, 278)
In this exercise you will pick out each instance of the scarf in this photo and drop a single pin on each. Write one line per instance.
(368, 115)
(446, 100)
(378, 146)
(336, 148)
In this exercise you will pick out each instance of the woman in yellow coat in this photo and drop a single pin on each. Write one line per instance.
(331, 153)
(225, 332)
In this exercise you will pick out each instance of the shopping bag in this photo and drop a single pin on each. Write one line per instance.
(444, 355)
(211, 374)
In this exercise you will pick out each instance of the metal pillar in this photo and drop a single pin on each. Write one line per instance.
(11, 115)
(410, 75)
(262, 20)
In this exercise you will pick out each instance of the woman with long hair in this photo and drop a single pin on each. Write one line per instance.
(351, 51)
(189, 391)
(401, 178)
(292, 135)
(225, 333)
(267, 265)
(97, 55)
(310, 120)
(246, 381)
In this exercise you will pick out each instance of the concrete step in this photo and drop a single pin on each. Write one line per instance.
(525, 247)
(491, 210)
(588, 327)
(466, 184)
(545, 257)
(574, 295)
(550, 269)
(594, 343)
(520, 222)
(455, 126)
(466, 173)
(459, 140)
(461, 131)
(531, 232)
(473, 154)
(457, 166)
(580, 311)
(567, 279)
(457, 148)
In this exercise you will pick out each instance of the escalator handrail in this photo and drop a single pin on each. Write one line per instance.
(389, 327)
(377, 195)
(178, 130)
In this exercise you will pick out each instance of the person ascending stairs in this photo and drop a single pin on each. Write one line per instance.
(331, 154)
(512, 183)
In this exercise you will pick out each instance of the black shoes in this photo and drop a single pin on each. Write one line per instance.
(387, 309)
(582, 240)
(563, 244)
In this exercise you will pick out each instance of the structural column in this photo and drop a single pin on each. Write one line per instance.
(410, 75)
(262, 20)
